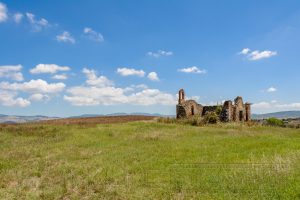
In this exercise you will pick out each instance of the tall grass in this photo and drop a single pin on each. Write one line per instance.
(149, 160)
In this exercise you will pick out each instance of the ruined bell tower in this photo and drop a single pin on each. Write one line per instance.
(181, 96)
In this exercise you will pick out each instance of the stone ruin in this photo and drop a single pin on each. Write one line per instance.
(230, 111)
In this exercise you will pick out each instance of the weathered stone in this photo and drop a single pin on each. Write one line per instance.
(237, 112)
(187, 108)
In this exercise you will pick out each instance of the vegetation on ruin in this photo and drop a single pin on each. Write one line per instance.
(151, 160)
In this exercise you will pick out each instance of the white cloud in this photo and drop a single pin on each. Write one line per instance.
(196, 98)
(100, 91)
(39, 97)
(65, 37)
(82, 96)
(257, 55)
(3, 12)
(94, 80)
(48, 68)
(60, 77)
(139, 86)
(93, 35)
(271, 89)
(152, 97)
(290, 106)
(130, 72)
(9, 99)
(11, 72)
(37, 25)
(265, 107)
(262, 105)
(34, 86)
(18, 17)
(153, 76)
(160, 53)
(245, 51)
(88, 96)
(192, 69)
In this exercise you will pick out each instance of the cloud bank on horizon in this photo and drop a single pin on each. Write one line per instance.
(132, 77)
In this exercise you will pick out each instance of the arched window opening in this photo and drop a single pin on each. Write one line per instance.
(192, 110)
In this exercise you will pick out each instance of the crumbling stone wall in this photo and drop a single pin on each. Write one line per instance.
(237, 112)
(240, 112)
(227, 112)
(189, 108)
(207, 109)
(248, 111)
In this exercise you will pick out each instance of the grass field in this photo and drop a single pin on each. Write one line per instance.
(148, 160)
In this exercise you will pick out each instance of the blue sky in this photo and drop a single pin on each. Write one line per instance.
(63, 58)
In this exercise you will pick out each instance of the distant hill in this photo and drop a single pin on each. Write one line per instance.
(12, 119)
(122, 114)
(279, 115)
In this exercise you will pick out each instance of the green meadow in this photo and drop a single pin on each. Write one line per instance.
(149, 160)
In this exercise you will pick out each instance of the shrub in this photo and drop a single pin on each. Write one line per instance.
(218, 110)
(275, 122)
(211, 118)
(195, 121)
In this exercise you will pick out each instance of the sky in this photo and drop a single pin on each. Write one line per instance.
(66, 58)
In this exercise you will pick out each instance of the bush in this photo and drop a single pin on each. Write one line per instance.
(218, 110)
(211, 118)
(194, 121)
(275, 122)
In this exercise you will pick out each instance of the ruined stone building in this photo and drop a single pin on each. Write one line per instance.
(230, 111)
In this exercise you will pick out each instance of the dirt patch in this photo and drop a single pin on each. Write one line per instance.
(99, 120)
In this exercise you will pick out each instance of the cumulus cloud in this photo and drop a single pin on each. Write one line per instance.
(18, 17)
(94, 80)
(39, 97)
(139, 86)
(93, 35)
(82, 96)
(130, 72)
(48, 68)
(193, 69)
(9, 99)
(11, 72)
(60, 77)
(262, 105)
(271, 89)
(290, 106)
(106, 93)
(152, 97)
(37, 25)
(34, 86)
(65, 37)
(257, 55)
(274, 105)
(3, 12)
(153, 76)
(245, 51)
(88, 96)
(160, 53)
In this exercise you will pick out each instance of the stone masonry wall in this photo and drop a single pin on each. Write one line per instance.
(237, 111)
